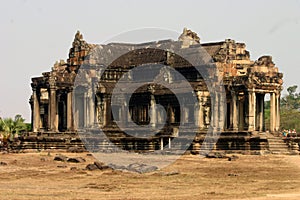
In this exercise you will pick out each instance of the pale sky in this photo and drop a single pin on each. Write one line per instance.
(35, 34)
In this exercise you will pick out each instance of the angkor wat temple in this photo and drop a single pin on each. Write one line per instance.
(60, 107)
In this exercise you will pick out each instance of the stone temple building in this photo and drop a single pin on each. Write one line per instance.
(239, 116)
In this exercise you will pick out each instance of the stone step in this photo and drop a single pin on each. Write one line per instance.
(277, 145)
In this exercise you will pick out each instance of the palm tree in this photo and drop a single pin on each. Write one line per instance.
(10, 127)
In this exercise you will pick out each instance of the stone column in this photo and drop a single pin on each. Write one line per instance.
(36, 111)
(53, 109)
(124, 112)
(252, 110)
(277, 98)
(206, 112)
(153, 111)
(215, 108)
(261, 112)
(85, 110)
(91, 104)
(70, 121)
(171, 114)
(161, 143)
(199, 116)
(222, 106)
(241, 111)
(105, 111)
(272, 112)
(235, 112)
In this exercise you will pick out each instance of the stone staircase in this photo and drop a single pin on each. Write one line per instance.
(40, 141)
(277, 144)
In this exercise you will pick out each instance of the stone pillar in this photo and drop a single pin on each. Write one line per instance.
(261, 106)
(206, 112)
(235, 112)
(161, 143)
(70, 121)
(91, 108)
(53, 109)
(169, 144)
(171, 114)
(241, 114)
(222, 106)
(104, 111)
(124, 113)
(199, 116)
(277, 98)
(85, 110)
(215, 108)
(272, 112)
(153, 119)
(36, 111)
(252, 110)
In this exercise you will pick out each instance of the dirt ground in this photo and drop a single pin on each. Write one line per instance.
(38, 176)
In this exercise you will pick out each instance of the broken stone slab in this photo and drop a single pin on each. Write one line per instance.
(91, 167)
(141, 168)
(216, 155)
(76, 160)
(134, 167)
(117, 167)
(61, 158)
(101, 165)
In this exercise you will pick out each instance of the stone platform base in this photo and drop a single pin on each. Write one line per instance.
(228, 142)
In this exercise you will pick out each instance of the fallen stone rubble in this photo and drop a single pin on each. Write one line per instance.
(134, 167)
(64, 158)
(221, 155)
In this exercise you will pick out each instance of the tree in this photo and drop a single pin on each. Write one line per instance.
(291, 101)
(9, 127)
(289, 109)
